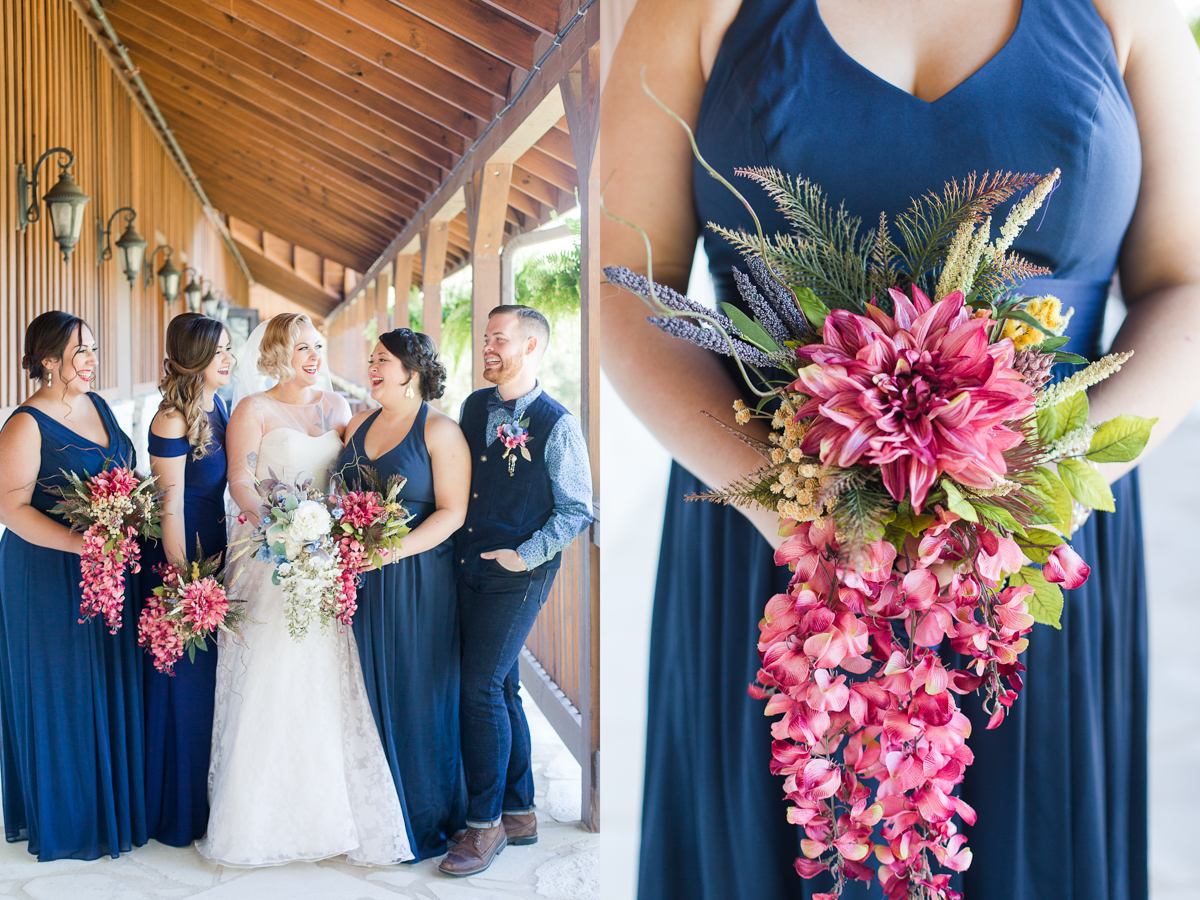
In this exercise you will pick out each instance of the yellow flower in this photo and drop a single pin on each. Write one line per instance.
(1048, 311)
(778, 456)
(742, 416)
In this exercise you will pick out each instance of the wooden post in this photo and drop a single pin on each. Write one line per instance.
(581, 102)
(402, 271)
(433, 267)
(487, 202)
(383, 284)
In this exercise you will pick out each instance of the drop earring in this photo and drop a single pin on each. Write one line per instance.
(409, 392)
(49, 379)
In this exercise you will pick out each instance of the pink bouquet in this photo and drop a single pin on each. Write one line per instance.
(112, 509)
(927, 477)
(189, 607)
(369, 527)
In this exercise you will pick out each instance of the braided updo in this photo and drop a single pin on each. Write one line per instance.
(419, 354)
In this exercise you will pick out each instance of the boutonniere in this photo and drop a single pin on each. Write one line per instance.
(514, 437)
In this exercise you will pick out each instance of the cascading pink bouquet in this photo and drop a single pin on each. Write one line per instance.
(370, 524)
(112, 509)
(927, 476)
(189, 607)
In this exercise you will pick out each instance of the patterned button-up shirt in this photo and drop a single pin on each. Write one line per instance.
(570, 476)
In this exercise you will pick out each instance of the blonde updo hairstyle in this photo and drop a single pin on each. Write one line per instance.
(279, 345)
(192, 342)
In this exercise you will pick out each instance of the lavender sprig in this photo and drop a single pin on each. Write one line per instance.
(711, 339)
(762, 309)
(665, 296)
(781, 300)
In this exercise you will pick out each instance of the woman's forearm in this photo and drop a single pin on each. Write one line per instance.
(669, 384)
(174, 533)
(440, 525)
(38, 528)
(1162, 379)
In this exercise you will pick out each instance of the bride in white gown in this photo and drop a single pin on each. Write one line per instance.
(298, 770)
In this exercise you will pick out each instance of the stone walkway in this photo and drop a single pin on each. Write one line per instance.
(563, 864)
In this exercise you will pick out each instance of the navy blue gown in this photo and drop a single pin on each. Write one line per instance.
(70, 693)
(406, 628)
(1060, 788)
(179, 707)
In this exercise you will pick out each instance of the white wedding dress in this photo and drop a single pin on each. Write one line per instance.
(298, 770)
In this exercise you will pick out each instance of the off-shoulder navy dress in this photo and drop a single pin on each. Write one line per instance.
(70, 693)
(179, 707)
(406, 628)
(1060, 788)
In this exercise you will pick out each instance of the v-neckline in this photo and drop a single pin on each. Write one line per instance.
(879, 78)
(395, 446)
(103, 422)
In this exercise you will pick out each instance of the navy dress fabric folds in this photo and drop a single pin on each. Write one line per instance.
(70, 694)
(179, 707)
(407, 632)
(1060, 787)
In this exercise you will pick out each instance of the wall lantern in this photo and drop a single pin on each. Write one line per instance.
(65, 201)
(191, 293)
(209, 303)
(168, 274)
(130, 245)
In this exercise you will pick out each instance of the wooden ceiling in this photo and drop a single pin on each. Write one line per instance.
(331, 123)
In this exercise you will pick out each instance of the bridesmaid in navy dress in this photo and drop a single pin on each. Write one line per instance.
(946, 88)
(70, 693)
(407, 620)
(187, 453)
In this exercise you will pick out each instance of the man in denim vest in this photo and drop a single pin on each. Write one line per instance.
(531, 495)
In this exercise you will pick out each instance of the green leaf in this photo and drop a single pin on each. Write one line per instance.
(1086, 484)
(1046, 602)
(1073, 358)
(191, 653)
(1055, 497)
(998, 515)
(1038, 542)
(291, 503)
(910, 523)
(750, 329)
(1052, 343)
(1021, 316)
(812, 307)
(957, 502)
(1120, 439)
(1055, 421)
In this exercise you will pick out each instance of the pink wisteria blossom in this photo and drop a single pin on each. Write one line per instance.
(918, 393)
(1066, 567)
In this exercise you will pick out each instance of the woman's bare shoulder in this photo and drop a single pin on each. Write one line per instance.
(168, 423)
(442, 429)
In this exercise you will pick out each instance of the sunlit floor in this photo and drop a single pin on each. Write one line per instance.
(563, 864)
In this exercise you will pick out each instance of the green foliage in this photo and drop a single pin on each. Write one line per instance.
(1055, 421)
(550, 282)
(750, 329)
(1046, 603)
(1121, 439)
(1054, 500)
(1036, 543)
(862, 512)
(957, 502)
(1086, 484)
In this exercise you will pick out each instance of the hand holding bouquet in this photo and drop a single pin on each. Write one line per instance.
(369, 529)
(919, 461)
(112, 509)
(190, 606)
(295, 534)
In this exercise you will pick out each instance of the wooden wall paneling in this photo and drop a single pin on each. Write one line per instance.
(486, 213)
(383, 319)
(433, 269)
(403, 285)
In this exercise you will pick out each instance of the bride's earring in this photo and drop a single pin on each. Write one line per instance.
(409, 392)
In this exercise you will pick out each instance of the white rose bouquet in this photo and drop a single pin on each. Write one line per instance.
(295, 534)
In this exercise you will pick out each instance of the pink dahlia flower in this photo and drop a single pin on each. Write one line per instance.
(917, 393)
(204, 604)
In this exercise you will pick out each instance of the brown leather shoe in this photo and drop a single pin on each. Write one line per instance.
(519, 830)
(475, 852)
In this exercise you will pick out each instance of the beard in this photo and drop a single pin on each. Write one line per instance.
(509, 369)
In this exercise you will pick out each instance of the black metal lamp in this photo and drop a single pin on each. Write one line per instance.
(64, 202)
(168, 273)
(209, 303)
(130, 245)
(193, 290)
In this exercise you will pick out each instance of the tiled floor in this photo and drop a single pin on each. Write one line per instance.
(563, 864)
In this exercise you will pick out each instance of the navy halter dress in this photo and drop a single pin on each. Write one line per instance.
(1060, 787)
(406, 628)
(70, 694)
(179, 707)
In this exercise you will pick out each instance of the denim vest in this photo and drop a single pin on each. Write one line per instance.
(505, 510)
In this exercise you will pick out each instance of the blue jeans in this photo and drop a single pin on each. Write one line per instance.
(497, 609)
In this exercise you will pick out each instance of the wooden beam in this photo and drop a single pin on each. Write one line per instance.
(512, 41)
(383, 321)
(582, 33)
(335, 40)
(331, 65)
(546, 167)
(286, 282)
(403, 271)
(381, 21)
(544, 15)
(330, 87)
(258, 90)
(486, 210)
(557, 144)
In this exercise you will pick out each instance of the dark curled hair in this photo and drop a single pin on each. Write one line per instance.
(419, 354)
(46, 338)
